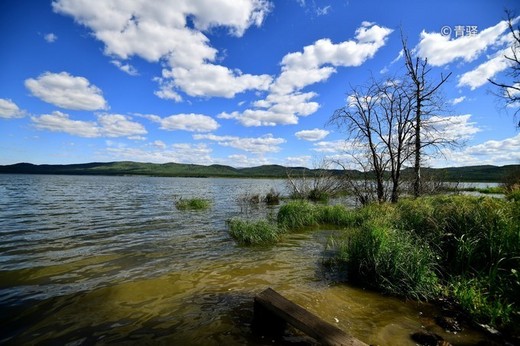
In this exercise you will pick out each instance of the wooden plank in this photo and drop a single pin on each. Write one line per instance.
(310, 324)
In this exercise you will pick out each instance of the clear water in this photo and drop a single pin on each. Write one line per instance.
(95, 260)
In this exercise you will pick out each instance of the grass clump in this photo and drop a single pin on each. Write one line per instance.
(297, 214)
(393, 261)
(258, 232)
(192, 204)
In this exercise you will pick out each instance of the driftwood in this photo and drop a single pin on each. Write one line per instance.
(274, 309)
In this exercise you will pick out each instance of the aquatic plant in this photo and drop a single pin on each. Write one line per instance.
(297, 214)
(254, 232)
(192, 204)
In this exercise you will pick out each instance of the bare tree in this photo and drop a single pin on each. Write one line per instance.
(424, 91)
(378, 123)
(509, 90)
(317, 184)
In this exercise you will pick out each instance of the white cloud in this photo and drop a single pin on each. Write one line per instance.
(441, 50)
(187, 122)
(285, 102)
(276, 110)
(50, 37)
(127, 68)
(240, 160)
(298, 161)
(322, 11)
(492, 152)
(9, 110)
(161, 31)
(457, 100)
(450, 128)
(108, 125)
(179, 153)
(66, 91)
(117, 125)
(257, 145)
(337, 146)
(479, 76)
(159, 144)
(215, 80)
(60, 122)
(312, 135)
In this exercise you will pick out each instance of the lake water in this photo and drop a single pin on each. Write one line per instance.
(95, 260)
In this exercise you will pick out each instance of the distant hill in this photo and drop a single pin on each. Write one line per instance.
(471, 173)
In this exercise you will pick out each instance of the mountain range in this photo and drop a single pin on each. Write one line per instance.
(484, 173)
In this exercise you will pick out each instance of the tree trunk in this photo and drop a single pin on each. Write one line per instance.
(417, 166)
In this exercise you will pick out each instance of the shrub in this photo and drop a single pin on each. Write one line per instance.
(192, 204)
(259, 232)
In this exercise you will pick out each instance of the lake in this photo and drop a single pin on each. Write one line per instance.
(94, 260)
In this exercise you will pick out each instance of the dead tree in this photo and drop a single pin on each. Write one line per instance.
(509, 91)
(424, 91)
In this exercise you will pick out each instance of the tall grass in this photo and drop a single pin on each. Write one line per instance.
(393, 261)
(297, 214)
(258, 232)
(469, 246)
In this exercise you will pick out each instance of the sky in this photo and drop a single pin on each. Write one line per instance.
(237, 82)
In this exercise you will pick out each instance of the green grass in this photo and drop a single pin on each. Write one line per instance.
(297, 214)
(466, 247)
(258, 232)
(192, 204)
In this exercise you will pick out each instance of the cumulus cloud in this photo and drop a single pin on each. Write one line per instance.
(66, 91)
(9, 110)
(316, 63)
(179, 152)
(337, 146)
(50, 37)
(449, 128)
(298, 161)
(107, 125)
(173, 31)
(480, 75)
(441, 50)
(256, 145)
(492, 152)
(312, 135)
(186, 122)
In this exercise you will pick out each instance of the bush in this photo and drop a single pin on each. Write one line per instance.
(259, 232)
(192, 204)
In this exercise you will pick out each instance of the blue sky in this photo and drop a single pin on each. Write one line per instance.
(236, 82)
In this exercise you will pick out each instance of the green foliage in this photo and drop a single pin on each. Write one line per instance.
(474, 296)
(192, 204)
(259, 232)
(470, 245)
(297, 214)
(393, 261)
(514, 194)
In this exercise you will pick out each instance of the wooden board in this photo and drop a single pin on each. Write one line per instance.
(307, 322)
